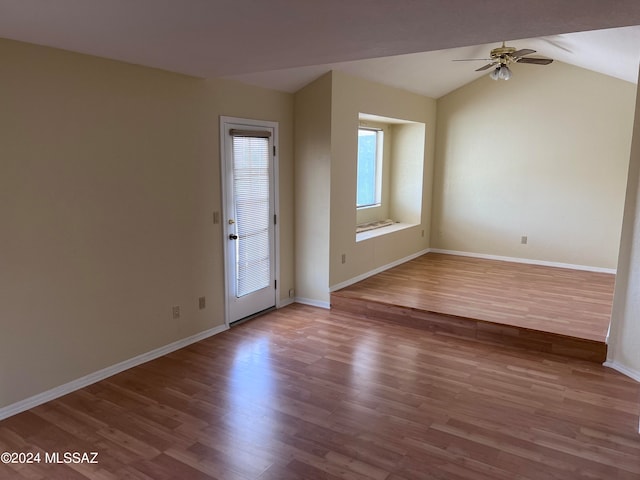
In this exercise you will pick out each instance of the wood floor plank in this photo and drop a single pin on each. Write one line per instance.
(307, 393)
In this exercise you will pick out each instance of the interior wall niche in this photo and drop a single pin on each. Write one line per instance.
(402, 175)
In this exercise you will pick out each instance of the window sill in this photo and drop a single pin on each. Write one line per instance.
(367, 207)
(378, 232)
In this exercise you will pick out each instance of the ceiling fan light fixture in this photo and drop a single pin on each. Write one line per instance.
(505, 73)
(502, 72)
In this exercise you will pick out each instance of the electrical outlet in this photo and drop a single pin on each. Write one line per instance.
(524, 240)
(344, 258)
(216, 218)
(422, 233)
(202, 303)
(292, 293)
(175, 311)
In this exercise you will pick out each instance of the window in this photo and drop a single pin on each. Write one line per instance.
(369, 176)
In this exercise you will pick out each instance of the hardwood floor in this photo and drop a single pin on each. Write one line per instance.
(540, 308)
(567, 302)
(306, 393)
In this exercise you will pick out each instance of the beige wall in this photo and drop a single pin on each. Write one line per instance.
(352, 96)
(110, 175)
(543, 155)
(624, 337)
(326, 123)
(407, 179)
(312, 189)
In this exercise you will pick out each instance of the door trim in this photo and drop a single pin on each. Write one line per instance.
(224, 120)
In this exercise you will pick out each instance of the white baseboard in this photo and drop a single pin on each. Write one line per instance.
(94, 377)
(375, 271)
(525, 260)
(314, 303)
(629, 372)
(285, 302)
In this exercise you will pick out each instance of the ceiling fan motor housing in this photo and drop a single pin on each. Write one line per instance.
(503, 54)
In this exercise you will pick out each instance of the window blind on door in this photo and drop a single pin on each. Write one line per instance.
(251, 165)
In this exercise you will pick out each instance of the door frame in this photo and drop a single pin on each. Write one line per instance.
(224, 120)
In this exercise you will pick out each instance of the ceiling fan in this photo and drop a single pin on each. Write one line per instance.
(503, 57)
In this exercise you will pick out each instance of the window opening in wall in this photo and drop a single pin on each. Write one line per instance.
(369, 175)
(389, 175)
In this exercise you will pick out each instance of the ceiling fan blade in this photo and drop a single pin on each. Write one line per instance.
(487, 66)
(472, 60)
(536, 61)
(522, 53)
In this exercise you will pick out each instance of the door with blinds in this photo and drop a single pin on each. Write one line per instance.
(248, 150)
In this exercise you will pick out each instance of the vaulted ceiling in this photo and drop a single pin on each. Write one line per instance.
(283, 44)
(614, 52)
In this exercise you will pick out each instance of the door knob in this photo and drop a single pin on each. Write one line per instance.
(233, 236)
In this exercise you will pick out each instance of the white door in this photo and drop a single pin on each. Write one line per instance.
(248, 163)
